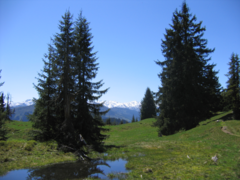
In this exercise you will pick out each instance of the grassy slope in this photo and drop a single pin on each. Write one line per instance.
(167, 158)
(137, 142)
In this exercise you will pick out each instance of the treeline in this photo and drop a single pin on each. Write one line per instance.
(65, 108)
(114, 121)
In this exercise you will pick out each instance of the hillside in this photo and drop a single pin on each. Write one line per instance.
(184, 155)
(167, 156)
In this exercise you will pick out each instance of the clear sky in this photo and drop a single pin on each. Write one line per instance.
(127, 35)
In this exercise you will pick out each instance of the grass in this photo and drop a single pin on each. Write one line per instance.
(185, 155)
(20, 151)
(152, 157)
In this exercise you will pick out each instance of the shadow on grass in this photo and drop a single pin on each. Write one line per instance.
(227, 117)
(113, 146)
(224, 118)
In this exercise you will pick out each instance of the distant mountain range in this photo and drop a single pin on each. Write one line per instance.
(28, 102)
(110, 104)
(123, 111)
(133, 105)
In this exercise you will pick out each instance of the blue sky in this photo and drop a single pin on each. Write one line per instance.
(127, 35)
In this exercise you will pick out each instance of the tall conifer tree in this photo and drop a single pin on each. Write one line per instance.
(133, 119)
(44, 117)
(2, 103)
(88, 92)
(3, 131)
(9, 110)
(233, 86)
(148, 107)
(64, 44)
(189, 83)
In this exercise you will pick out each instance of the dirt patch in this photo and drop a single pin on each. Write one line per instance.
(224, 129)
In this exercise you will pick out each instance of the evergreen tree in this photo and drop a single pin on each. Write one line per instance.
(44, 117)
(85, 71)
(233, 86)
(189, 83)
(121, 122)
(65, 91)
(2, 103)
(133, 119)
(225, 103)
(148, 107)
(9, 111)
(3, 131)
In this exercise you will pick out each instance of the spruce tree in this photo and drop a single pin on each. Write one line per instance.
(3, 131)
(189, 83)
(133, 119)
(44, 117)
(148, 107)
(233, 86)
(65, 90)
(2, 103)
(225, 103)
(9, 111)
(88, 92)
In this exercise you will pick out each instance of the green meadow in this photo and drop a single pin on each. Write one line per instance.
(184, 155)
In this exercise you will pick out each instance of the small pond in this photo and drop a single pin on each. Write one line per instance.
(77, 170)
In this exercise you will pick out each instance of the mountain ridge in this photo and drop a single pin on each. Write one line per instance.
(123, 111)
(110, 104)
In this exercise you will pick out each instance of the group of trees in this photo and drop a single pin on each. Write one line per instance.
(5, 112)
(66, 107)
(134, 119)
(190, 90)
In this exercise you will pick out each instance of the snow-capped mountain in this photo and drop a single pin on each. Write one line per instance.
(28, 102)
(133, 105)
(117, 110)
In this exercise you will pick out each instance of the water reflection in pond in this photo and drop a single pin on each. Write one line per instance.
(78, 170)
